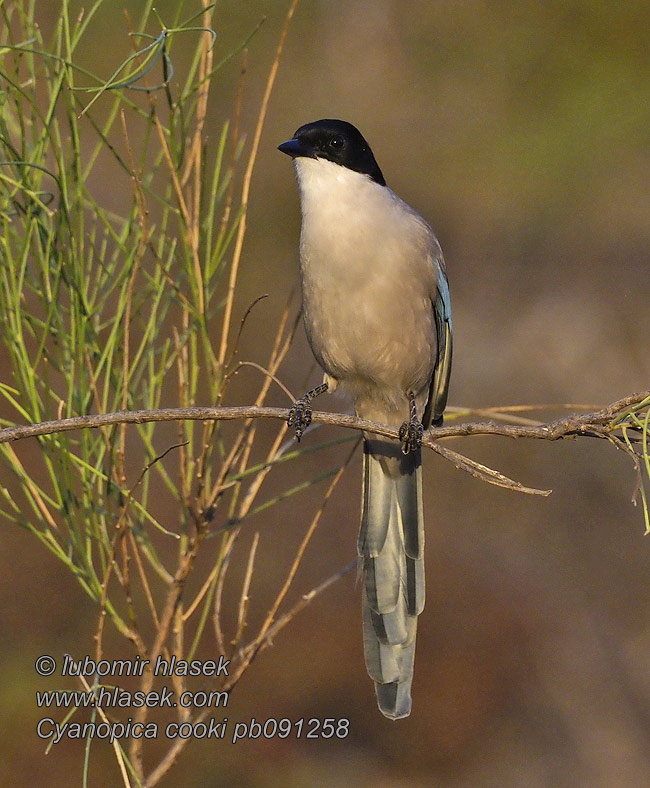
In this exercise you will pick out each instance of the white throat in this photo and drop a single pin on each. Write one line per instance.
(322, 180)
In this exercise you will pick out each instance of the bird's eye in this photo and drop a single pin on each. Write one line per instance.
(337, 142)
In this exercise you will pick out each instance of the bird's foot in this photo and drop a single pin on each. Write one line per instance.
(411, 431)
(300, 416)
(300, 412)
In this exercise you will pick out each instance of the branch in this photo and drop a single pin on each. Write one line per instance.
(597, 424)
(568, 426)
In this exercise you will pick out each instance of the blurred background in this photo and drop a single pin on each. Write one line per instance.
(521, 131)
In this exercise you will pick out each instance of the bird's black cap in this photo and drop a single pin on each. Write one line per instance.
(337, 141)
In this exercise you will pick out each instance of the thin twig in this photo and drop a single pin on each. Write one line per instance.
(121, 531)
(143, 579)
(119, 756)
(227, 208)
(241, 229)
(244, 599)
(33, 489)
(278, 352)
(260, 644)
(224, 554)
(252, 648)
(143, 216)
(185, 213)
(166, 620)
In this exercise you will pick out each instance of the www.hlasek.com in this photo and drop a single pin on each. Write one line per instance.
(105, 696)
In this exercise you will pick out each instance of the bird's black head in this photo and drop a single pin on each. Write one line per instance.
(337, 141)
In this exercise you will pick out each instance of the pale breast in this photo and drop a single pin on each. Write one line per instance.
(368, 281)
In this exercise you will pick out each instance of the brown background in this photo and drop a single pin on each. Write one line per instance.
(521, 131)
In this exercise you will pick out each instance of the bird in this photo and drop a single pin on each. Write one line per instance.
(377, 314)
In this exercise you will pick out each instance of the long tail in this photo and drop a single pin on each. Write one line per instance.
(391, 551)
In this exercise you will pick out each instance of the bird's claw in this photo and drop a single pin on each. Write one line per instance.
(300, 411)
(410, 433)
(300, 416)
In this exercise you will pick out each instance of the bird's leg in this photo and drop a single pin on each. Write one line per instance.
(410, 433)
(300, 411)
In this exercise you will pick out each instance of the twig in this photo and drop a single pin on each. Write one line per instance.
(259, 645)
(484, 473)
(119, 756)
(166, 621)
(252, 648)
(280, 348)
(241, 229)
(244, 599)
(34, 491)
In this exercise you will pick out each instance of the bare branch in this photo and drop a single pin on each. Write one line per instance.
(568, 426)
(596, 424)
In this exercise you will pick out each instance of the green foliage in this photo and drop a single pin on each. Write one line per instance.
(104, 309)
(122, 299)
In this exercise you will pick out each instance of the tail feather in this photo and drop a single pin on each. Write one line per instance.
(391, 548)
(394, 698)
(373, 537)
(384, 571)
(390, 628)
(381, 658)
(409, 499)
(415, 590)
